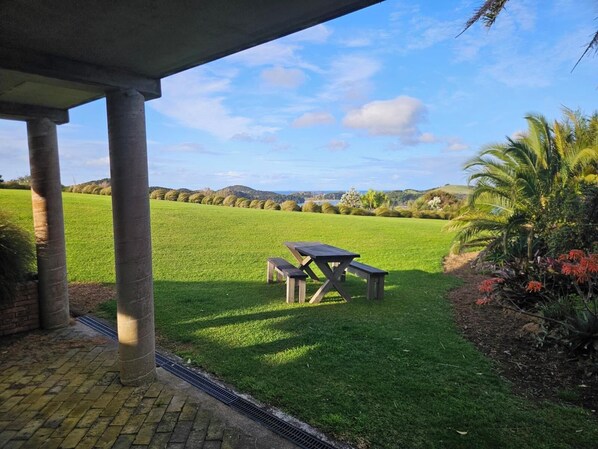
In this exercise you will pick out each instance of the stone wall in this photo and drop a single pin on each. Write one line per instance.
(22, 313)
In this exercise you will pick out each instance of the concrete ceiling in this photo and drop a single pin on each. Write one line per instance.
(61, 54)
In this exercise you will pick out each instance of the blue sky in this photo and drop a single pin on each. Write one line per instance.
(384, 98)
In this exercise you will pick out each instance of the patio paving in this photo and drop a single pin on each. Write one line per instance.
(61, 390)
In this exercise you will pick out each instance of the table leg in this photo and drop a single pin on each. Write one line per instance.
(333, 276)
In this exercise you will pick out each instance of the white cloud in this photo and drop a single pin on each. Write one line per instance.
(316, 35)
(274, 53)
(197, 101)
(281, 77)
(312, 119)
(350, 78)
(337, 145)
(399, 117)
(456, 144)
(98, 162)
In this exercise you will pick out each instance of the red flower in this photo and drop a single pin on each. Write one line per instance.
(576, 254)
(487, 285)
(534, 286)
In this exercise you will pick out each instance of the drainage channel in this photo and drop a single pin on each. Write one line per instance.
(292, 433)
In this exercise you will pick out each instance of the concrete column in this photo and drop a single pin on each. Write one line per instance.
(48, 221)
(132, 236)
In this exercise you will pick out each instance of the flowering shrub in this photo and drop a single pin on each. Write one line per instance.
(549, 284)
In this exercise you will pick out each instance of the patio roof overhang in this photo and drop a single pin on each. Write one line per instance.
(58, 55)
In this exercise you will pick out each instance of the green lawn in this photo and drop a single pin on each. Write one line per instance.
(387, 374)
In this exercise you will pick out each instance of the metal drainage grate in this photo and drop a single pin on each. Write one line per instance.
(267, 419)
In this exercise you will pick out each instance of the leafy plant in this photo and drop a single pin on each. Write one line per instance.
(16, 256)
(183, 197)
(230, 201)
(171, 195)
(310, 206)
(196, 197)
(328, 208)
(158, 194)
(290, 206)
(351, 198)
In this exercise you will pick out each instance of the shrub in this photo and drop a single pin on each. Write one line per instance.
(96, 190)
(172, 195)
(359, 211)
(385, 212)
(344, 210)
(16, 256)
(351, 198)
(271, 205)
(106, 191)
(196, 197)
(230, 201)
(239, 201)
(290, 206)
(183, 197)
(310, 206)
(328, 208)
(245, 203)
(218, 200)
(208, 199)
(158, 194)
(404, 213)
(88, 189)
(257, 204)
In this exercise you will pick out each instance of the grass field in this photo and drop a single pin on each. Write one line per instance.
(387, 374)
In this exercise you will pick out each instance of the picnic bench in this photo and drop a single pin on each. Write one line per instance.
(374, 277)
(294, 277)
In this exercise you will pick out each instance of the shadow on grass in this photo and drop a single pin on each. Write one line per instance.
(386, 373)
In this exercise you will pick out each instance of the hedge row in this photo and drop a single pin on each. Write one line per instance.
(289, 205)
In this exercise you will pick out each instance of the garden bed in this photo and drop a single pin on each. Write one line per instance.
(509, 339)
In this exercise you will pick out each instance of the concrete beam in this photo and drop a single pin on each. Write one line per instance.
(108, 79)
(26, 112)
(48, 221)
(132, 236)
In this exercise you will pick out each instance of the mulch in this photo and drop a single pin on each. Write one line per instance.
(546, 372)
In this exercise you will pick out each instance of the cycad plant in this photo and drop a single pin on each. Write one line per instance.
(514, 183)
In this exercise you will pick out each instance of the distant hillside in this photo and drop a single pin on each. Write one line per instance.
(455, 189)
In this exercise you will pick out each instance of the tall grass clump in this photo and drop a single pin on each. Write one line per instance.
(16, 256)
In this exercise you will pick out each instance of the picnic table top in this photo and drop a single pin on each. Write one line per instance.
(320, 250)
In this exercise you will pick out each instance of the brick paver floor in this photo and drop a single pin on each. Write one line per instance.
(61, 390)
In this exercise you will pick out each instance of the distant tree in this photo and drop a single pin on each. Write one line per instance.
(351, 198)
(489, 11)
(1, 180)
(23, 180)
(373, 199)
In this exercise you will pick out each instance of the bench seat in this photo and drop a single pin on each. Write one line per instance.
(294, 277)
(374, 277)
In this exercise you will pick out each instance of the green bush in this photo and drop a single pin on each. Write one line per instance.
(404, 213)
(310, 206)
(257, 204)
(230, 201)
(88, 189)
(158, 194)
(384, 211)
(359, 211)
(196, 197)
(328, 208)
(344, 210)
(245, 203)
(106, 191)
(208, 199)
(290, 206)
(172, 195)
(14, 185)
(183, 197)
(218, 200)
(96, 190)
(271, 205)
(239, 201)
(16, 256)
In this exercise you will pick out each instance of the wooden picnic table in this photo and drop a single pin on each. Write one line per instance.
(332, 261)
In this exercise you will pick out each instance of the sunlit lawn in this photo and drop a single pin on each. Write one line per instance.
(394, 373)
